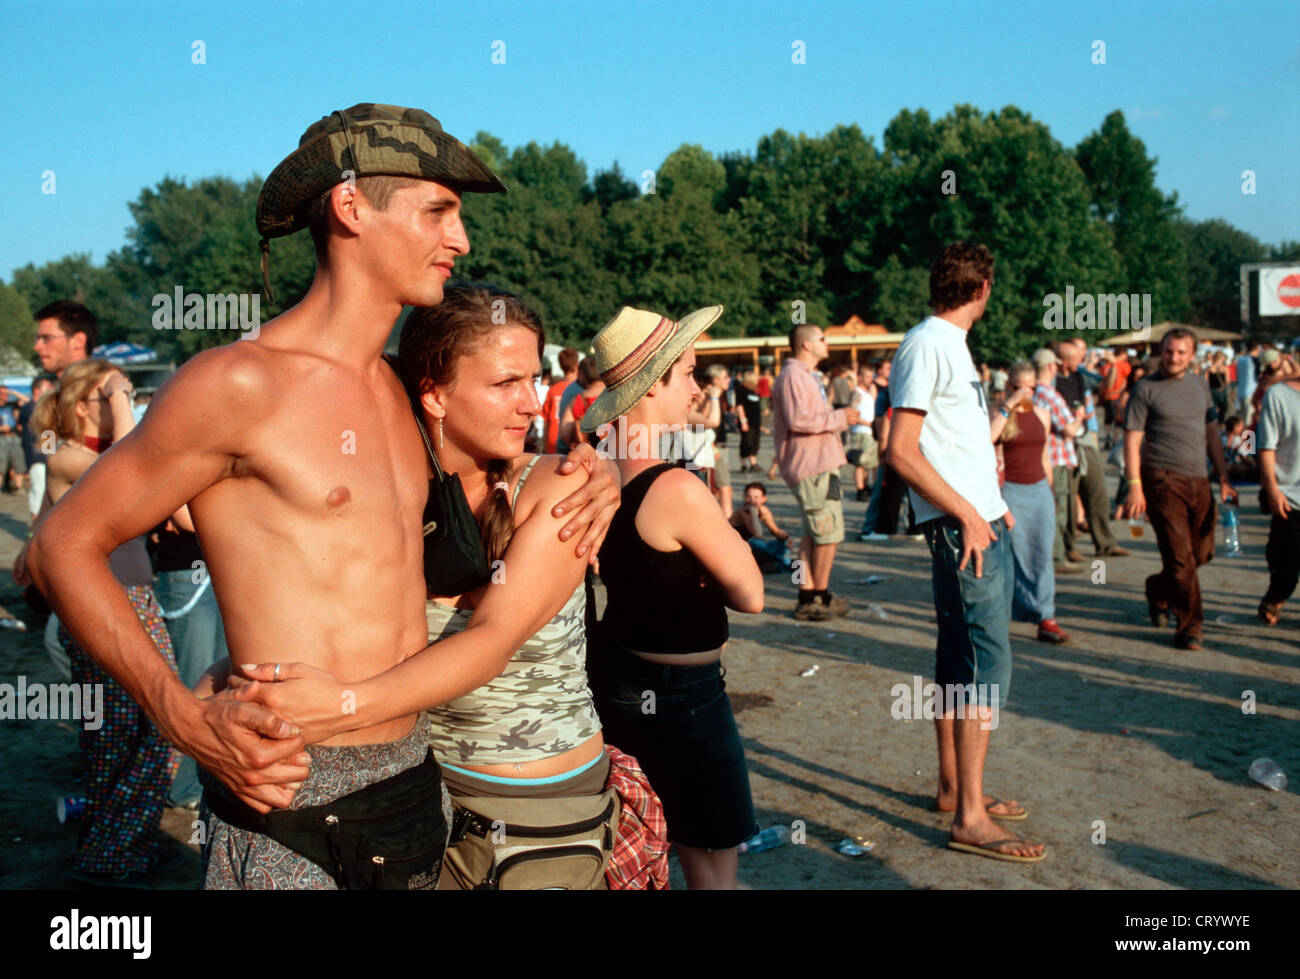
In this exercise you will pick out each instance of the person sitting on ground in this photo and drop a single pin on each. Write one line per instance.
(750, 521)
(1236, 440)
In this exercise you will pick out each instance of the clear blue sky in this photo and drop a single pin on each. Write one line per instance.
(106, 95)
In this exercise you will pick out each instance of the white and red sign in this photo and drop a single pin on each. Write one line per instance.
(1279, 291)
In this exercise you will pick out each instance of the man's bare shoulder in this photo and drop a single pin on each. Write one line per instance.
(242, 371)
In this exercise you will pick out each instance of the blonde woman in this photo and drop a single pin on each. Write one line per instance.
(126, 765)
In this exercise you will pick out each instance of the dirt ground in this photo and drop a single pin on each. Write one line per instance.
(1116, 732)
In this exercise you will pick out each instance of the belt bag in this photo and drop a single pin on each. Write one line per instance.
(388, 836)
(532, 844)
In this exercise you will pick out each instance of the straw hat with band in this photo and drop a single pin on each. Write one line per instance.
(634, 350)
(371, 140)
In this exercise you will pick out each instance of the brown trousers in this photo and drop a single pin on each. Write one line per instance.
(1182, 514)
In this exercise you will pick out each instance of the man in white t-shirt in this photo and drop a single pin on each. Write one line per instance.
(940, 444)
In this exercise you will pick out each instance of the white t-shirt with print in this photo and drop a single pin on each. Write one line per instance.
(933, 372)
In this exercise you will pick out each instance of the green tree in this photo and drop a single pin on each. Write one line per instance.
(1143, 220)
(902, 295)
(1215, 253)
(1001, 180)
(76, 277)
(203, 239)
(784, 219)
(16, 327)
(544, 239)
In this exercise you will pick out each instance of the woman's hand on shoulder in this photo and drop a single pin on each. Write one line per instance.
(592, 501)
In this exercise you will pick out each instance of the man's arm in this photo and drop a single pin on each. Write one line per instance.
(1135, 503)
(185, 444)
(594, 503)
(807, 413)
(1064, 424)
(711, 415)
(1278, 504)
(908, 461)
(1215, 446)
(769, 522)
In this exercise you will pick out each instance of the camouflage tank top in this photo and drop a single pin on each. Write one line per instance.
(538, 706)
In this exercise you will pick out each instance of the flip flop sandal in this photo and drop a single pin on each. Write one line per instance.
(1270, 613)
(986, 850)
(1005, 817)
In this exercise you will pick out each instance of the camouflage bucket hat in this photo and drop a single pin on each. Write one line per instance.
(371, 140)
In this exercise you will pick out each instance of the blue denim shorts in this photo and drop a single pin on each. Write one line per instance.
(974, 614)
(677, 722)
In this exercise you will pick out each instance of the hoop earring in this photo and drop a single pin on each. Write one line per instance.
(440, 433)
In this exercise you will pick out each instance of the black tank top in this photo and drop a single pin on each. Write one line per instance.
(658, 601)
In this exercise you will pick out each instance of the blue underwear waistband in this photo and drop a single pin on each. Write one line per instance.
(546, 780)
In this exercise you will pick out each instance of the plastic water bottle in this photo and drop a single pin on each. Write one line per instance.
(1231, 536)
(768, 839)
(1266, 772)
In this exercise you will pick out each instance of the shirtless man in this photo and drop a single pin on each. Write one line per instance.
(300, 458)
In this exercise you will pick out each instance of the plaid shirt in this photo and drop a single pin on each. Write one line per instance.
(640, 858)
(1060, 446)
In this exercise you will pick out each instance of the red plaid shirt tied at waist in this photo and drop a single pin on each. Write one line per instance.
(640, 858)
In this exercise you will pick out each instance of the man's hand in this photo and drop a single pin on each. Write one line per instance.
(1135, 504)
(594, 502)
(255, 754)
(311, 699)
(852, 416)
(976, 535)
(1226, 492)
(1278, 504)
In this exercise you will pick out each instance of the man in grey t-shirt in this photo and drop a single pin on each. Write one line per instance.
(1279, 484)
(1172, 410)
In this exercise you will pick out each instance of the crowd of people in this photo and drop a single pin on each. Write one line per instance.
(453, 714)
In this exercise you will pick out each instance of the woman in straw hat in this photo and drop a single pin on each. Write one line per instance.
(671, 567)
(126, 765)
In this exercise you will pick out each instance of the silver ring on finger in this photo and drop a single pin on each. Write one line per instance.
(276, 674)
